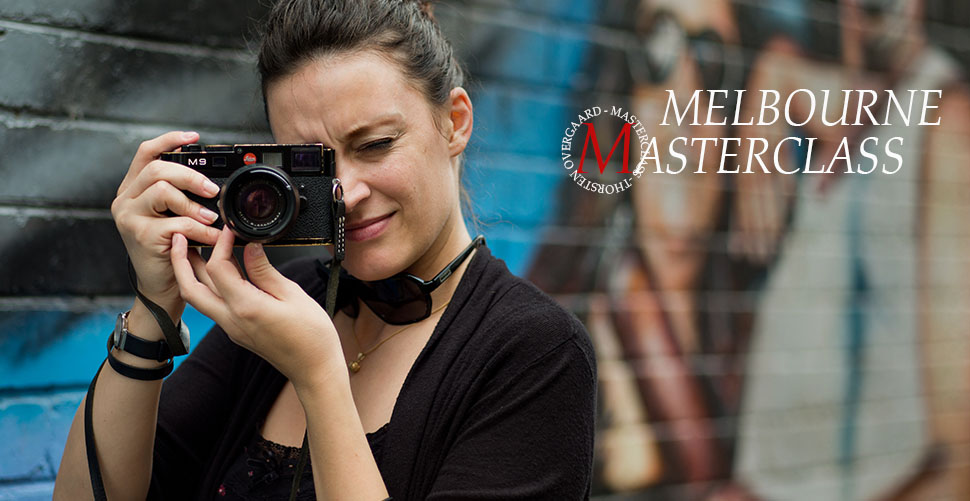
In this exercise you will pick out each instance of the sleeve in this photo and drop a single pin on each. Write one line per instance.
(194, 405)
(531, 435)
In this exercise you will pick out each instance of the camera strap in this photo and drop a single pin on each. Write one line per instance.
(338, 213)
(176, 337)
(97, 484)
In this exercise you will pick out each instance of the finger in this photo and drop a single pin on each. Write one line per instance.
(190, 228)
(262, 274)
(178, 175)
(162, 196)
(222, 251)
(153, 148)
(224, 271)
(226, 252)
(198, 267)
(193, 291)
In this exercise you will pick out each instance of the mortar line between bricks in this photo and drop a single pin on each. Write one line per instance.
(16, 117)
(43, 396)
(79, 304)
(179, 49)
(6, 482)
(16, 211)
(530, 21)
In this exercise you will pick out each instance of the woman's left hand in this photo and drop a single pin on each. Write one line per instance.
(268, 314)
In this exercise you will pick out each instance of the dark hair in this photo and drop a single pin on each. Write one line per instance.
(296, 31)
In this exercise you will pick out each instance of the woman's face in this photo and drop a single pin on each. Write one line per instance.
(398, 168)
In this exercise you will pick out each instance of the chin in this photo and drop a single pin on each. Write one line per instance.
(371, 262)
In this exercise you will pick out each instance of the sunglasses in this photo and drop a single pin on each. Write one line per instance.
(398, 300)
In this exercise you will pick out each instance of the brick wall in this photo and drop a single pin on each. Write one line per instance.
(734, 402)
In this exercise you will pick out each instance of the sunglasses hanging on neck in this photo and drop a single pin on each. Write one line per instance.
(400, 299)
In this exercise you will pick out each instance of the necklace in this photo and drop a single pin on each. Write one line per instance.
(355, 365)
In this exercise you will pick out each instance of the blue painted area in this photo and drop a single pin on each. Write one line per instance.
(545, 55)
(33, 491)
(569, 55)
(509, 120)
(518, 54)
(576, 10)
(513, 170)
(33, 421)
(516, 190)
(34, 429)
(513, 249)
(22, 424)
(71, 356)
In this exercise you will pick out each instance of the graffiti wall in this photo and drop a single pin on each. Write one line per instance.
(765, 334)
(759, 335)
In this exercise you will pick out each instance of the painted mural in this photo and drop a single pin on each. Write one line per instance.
(771, 336)
(759, 336)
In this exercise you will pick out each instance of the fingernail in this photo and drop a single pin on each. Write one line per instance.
(257, 249)
(210, 187)
(190, 136)
(208, 215)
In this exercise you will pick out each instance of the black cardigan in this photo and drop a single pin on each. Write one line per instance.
(499, 404)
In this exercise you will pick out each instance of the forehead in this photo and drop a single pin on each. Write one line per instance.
(327, 97)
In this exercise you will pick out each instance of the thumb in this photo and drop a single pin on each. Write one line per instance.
(261, 273)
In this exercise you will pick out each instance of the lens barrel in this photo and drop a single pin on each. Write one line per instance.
(259, 203)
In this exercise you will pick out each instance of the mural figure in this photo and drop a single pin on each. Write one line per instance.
(844, 290)
(854, 296)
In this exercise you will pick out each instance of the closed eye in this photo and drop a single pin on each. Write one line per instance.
(380, 144)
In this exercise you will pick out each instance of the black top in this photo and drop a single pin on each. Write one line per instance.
(498, 405)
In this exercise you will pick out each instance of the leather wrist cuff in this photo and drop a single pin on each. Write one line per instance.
(124, 340)
(139, 373)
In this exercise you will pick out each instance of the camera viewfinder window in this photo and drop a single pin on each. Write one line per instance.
(273, 158)
(306, 160)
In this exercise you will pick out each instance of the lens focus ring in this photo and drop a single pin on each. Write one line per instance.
(260, 203)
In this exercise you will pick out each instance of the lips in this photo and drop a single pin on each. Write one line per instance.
(368, 228)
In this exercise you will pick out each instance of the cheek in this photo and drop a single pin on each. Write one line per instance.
(397, 179)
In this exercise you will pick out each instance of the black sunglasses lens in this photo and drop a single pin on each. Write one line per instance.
(396, 301)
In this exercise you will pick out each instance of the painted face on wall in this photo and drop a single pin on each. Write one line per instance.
(885, 25)
(394, 155)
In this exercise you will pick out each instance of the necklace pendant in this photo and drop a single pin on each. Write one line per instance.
(355, 365)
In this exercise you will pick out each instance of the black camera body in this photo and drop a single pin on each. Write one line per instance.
(274, 194)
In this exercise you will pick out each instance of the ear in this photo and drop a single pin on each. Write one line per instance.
(460, 117)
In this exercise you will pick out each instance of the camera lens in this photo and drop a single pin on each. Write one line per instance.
(260, 203)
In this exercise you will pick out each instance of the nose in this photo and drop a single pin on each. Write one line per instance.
(356, 188)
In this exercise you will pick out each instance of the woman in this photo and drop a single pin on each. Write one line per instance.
(490, 396)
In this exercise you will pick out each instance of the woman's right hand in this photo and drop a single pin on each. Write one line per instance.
(151, 188)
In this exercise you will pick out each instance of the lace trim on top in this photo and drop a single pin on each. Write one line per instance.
(264, 470)
(288, 453)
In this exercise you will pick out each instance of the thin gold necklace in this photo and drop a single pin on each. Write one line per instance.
(355, 365)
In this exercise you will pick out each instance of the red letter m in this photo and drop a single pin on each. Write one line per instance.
(624, 134)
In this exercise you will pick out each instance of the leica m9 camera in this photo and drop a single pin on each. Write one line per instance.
(274, 194)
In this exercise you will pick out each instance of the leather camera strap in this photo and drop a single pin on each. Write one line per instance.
(169, 329)
(339, 251)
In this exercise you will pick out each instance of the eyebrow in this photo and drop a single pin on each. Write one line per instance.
(364, 128)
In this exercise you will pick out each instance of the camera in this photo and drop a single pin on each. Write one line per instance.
(274, 194)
